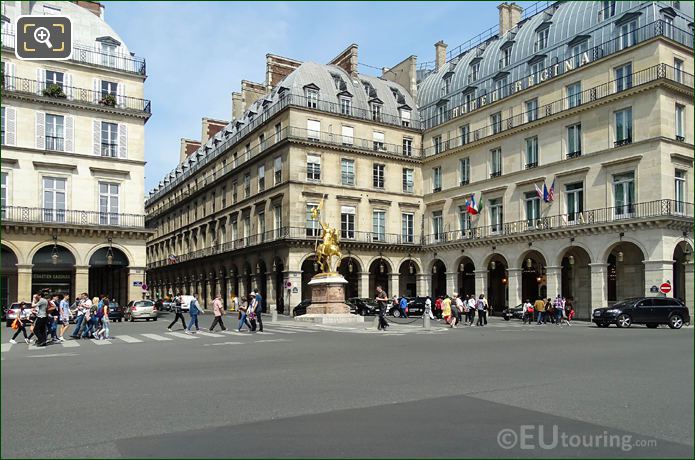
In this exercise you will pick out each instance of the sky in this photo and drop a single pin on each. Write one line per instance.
(197, 53)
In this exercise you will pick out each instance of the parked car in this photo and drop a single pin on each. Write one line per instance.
(362, 307)
(300, 309)
(115, 311)
(513, 312)
(12, 312)
(651, 311)
(140, 309)
(167, 306)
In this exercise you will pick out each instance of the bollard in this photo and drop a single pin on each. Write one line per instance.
(274, 316)
(376, 322)
(426, 322)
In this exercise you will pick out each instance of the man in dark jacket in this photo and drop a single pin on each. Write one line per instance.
(178, 310)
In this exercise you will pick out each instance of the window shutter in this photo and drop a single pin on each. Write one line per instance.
(123, 141)
(69, 133)
(11, 126)
(96, 90)
(40, 130)
(120, 94)
(68, 86)
(9, 84)
(96, 127)
(40, 81)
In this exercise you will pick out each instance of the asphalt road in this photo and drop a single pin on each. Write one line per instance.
(506, 390)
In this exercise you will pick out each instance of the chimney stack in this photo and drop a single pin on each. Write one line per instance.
(440, 54)
(510, 15)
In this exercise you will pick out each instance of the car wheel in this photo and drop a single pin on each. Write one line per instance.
(155, 318)
(506, 318)
(675, 321)
(396, 313)
(624, 321)
(652, 325)
(362, 312)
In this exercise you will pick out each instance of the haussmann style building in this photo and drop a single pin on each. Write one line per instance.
(553, 154)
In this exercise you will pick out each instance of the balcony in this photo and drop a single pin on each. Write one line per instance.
(62, 217)
(680, 138)
(647, 211)
(22, 87)
(531, 165)
(494, 174)
(621, 142)
(576, 154)
(82, 54)
(643, 77)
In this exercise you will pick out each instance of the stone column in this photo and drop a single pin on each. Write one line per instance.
(480, 282)
(599, 292)
(424, 283)
(553, 275)
(209, 296)
(451, 278)
(363, 288)
(134, 274)
(689, 287)
(656, 272)
(514, 286)
(394, 284)
(229, 291)
(24, 293)
(292, 298)
(82, 282)
(270, 300)
(242, 288)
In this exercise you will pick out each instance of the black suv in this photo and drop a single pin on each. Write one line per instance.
(651, 311)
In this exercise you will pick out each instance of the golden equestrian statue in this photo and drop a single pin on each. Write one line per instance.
(329, 247)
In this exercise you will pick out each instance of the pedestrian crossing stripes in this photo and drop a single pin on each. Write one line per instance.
(182, 335)
(5, 347)
(156, 337)
(209, 334)
(128, 339)
(101, 342)
(70, 344)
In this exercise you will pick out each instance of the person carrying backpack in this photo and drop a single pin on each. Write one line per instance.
(178, 310)
(194, 310)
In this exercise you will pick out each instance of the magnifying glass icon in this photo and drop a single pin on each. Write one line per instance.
(42, 35)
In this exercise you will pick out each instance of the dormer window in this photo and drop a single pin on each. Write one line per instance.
(446, 88)
(541, 39)
(506, 58)
(345, 105)
(628, 34)
(311, 93)
(607, 9)
(376, 109)
(405, 117)
(474, 71)
(576, 49)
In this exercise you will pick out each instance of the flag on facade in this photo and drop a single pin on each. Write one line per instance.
(549, 195)
(474, 207)
(539, 192)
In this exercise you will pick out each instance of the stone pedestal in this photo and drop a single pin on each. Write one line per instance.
(328, 301)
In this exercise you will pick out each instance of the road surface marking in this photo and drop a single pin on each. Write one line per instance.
(70, 344)
(209, 334)
(222, 343)
(181, 335)
(101, 342)
(271, 340)
(128, 339)
(53, 355)
(6, 347)
(277, 331)
(156, 337)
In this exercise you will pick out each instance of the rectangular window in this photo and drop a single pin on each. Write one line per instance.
(347, 222)
(312, 98)
(345, 105)
(261, 178)
(577, 51)
(623, 127)
(574, 194)
(496, 216)
(437, 226)
(437, 144)
(408, 180)
(533, 209)
(234, 192)
(624, 194)
(109, 139)
(628, 35)
(496, 122)
(464, 221)
(247, 185)
(405, 117)
(277, 170)
(464, 171)
(506, 57)
(313, 228)
(379, 225)
(680, 122)
(261, 226)
(223, 198)
(501, 87)
(574, 140)
(531, 152)
(532, 110)
(574, 94)
(407, 227)
(680, 191)
(313, 130)
(496, 162)
(378, 175)
(408, 146)
(55, 133)
(437, 179)
(541, 39)
(376, 111)
(55, 78)
(54, 198)
(465, 132)
(313, 168)
(3, 194)
(261, 142)
(474, 72)
(678, 70)
(441, 114)
(212, 202)
(378, 138)
(347, 172)
(108, 55)
(108, 203)
(3, 124)
(608, 9)
(277, 220)
(278, 132)
(108, 88)
(348, 133)
(623, 77)
(536, 69)
(246, 229)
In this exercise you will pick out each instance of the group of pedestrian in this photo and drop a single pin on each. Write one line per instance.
(456, 310)
(558, 311)
(92, 318)
(250, 313)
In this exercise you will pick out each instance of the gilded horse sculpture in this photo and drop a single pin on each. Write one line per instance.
(330, 246)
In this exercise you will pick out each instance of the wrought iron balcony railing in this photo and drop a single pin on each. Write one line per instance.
(85, 55)
(613, 214)
(25, 86)
(50, 216)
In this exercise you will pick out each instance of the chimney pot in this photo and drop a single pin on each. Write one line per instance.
(440, 54)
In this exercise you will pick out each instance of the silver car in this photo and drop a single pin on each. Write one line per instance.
(141, 309)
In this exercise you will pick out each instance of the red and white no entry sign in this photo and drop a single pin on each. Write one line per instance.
(665, 288)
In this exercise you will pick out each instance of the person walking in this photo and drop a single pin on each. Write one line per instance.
(438, 307)
(243, 316)
(105, 320)
(22, 321)
(471, 309)
(218, 310)
(481, 306)
(539, 306)
(403, 307)
(527, 313)
(193, 310)
(458, 308)
(53, 317)
(549, 310)
(428, 307)
(260, 308)
(178, 312)
(41, 304)
(559, 307)
(381, 300)
(569, 310)
(64, 316)
(447, 313)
